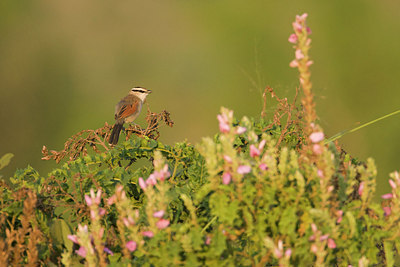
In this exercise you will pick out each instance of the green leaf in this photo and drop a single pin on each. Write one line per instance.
(224, 208)
(218, 244)
(59, 231)
(351, 223)
(288, 221)
(5, 160)
(389, 253)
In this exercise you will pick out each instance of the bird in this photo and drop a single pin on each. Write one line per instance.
(127, 110)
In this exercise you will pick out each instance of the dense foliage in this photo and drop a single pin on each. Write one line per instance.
(236, 199)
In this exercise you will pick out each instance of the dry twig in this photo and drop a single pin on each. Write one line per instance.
(98, 139)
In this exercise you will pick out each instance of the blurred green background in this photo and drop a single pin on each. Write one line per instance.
(65, 64)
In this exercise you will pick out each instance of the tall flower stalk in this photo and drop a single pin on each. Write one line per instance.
(302, 44)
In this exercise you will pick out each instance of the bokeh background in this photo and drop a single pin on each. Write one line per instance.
(65, 64)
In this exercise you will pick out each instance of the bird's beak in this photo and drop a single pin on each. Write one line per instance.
(148, 91)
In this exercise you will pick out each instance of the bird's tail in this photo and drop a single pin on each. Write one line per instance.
(113, 140)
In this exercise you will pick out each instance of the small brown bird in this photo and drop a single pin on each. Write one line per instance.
(127, 110)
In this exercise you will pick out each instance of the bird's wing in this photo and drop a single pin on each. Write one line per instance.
(127, 108)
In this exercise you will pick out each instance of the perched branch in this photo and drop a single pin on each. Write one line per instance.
(97, 139)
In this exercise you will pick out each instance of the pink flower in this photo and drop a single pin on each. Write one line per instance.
(387, 196)
(208, 240)
(101, 232)
(102, 211)
(299, 54)
(392, 184)
(324, 237)
(111, 200)
(317, 137)
(128, 221)
(263, 167)
(301, 18)
(254, 152)
(387, 211)
(297, 26)
(293, 38)
(226, 178)
(142, 183)
(73, 238)
(314, 248)
(243, 169)
(158, 214)
(119, 189)
(262, 144)
(83, 228)
(320, 174)
(309, 63)
(131, 245)
(93, 215)
(81, 252)
(339, 213)
(148, 234)
(151, 180)
(331, 243)
(294, 63)
(162, 223)
(88, 200)
(163, 174)
(314, 227)
(317, 149)
(96, 199)
(241, 130)
(361, 189)
(227, 159)
(278, 253)
(223, 123)
(108, 251)
(93, 198)
(288, 253)
(308, 30)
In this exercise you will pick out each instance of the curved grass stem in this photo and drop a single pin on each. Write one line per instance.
(342, 133)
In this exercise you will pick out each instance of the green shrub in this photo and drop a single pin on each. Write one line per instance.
(260, 193)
